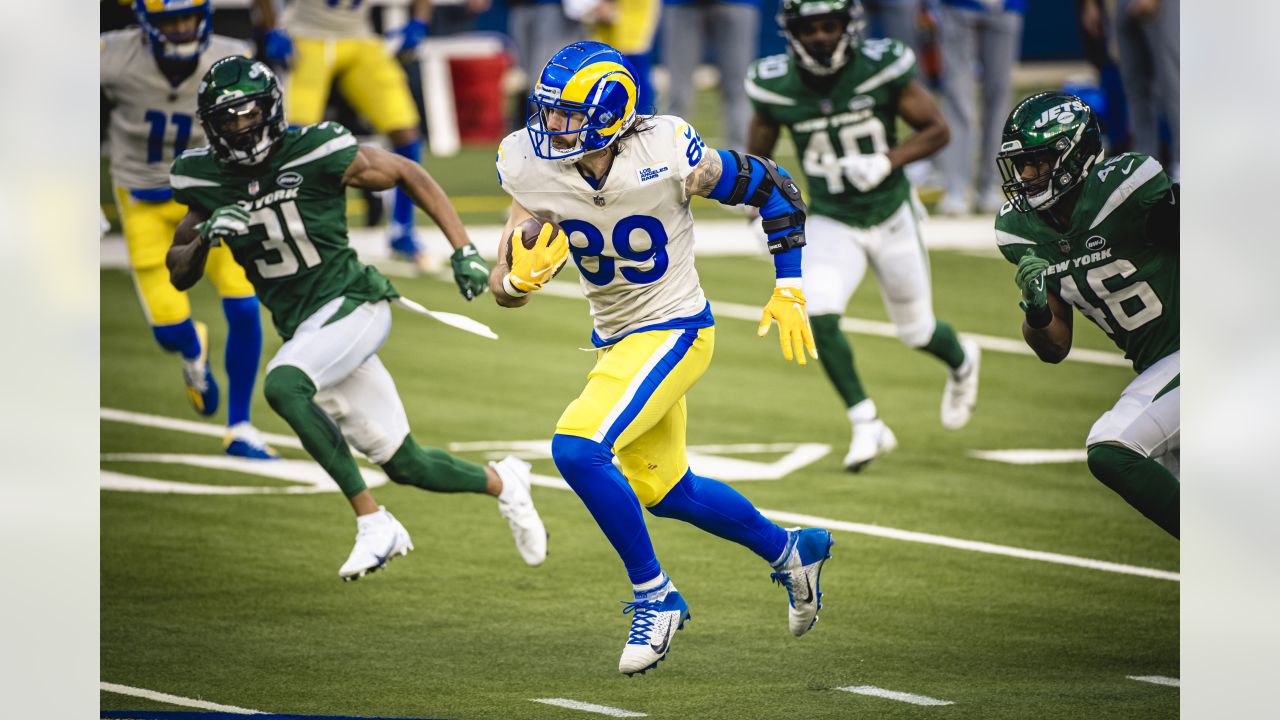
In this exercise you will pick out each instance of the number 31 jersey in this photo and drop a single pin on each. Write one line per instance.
(632, 239)
(296, 252)
(1104, 264)
(851, 113)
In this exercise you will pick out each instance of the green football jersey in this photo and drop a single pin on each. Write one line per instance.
(296, 252)
(1104, 264)
(856, 115)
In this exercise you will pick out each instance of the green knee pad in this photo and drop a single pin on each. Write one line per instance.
(836, 355)
(434, 469)
(1143, 483)
(291, 394)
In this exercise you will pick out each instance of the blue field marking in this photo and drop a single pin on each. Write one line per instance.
(204, 715)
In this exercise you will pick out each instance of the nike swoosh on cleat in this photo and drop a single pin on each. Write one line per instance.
(666, 641)
(808, 589)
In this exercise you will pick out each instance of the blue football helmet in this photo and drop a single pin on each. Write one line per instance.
(152, 14)
(584, 100)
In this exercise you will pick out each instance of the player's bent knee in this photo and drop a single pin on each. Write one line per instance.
(576, 457)
(242, 312)
(1111, 464)
(285, 387)
(918, 334)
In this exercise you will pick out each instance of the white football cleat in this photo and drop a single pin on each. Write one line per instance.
(379, 538)
(961, 393)
(516, 505)
(654, 621)
(871, 437)
(800, 572)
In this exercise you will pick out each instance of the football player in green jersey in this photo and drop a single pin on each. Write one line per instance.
(277, 198)
(840, 97)
(1101, 237)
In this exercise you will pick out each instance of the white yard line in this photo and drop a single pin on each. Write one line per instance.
(1032, 457)
(894, 695)
(1156, 680)
(786, 518)
(588, 707)
(175, 699)
(193, 427)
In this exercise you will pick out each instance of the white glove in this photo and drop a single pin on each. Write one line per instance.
(579, 9)
(866, 171)
(226, 221)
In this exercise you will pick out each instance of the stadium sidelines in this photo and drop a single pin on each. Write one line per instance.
(781, 516)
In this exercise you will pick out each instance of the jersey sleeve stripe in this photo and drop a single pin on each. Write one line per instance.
(182, 182)
(897, 69)
(328, 148)
(1003, 238)
(1147, 170)
(765, 96)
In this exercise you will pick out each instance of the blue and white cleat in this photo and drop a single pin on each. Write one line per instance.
(654, 622)
(379, 539)
(800, 572)
(202, 389)
(244, 440)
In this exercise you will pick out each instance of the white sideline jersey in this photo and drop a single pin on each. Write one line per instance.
(633, 238)
(327, 19)
(152, 122)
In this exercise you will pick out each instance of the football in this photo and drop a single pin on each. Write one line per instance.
(529, 230)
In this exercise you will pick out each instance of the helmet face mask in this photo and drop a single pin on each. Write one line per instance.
(585, 100)
(158, 18)
(843, 22)
(1050, 142)
(241, 110)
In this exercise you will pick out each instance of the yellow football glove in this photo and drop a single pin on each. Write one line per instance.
(787, 308)
(531, 267)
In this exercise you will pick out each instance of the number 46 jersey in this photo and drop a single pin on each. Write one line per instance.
(853, 113)
(296, 252)
(1104, 263)
(631, 238)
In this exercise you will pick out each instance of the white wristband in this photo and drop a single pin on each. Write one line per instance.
(510, 289)
(787, 283)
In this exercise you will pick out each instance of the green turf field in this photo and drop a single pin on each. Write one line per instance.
(234, 599)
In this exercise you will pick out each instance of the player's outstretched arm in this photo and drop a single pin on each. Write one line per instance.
(377, 169)
(500, 270)
(762, 135)
(1051, 342)
(917, 107)
(734, 179)
(188, 252)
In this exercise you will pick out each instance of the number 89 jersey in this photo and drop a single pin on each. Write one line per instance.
(855, 113)
(296, 252)
(632, 238)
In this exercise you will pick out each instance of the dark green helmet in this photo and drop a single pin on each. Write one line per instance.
(825, 59)
(240, 108)
(1050, 142)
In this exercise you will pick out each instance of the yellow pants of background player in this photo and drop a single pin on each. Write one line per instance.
(632, 33)
(368, 77)
(148, 233)
(634, 403)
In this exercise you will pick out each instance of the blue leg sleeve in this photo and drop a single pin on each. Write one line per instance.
(180, 338)
(642, 63)
(588, 468)
(722, 511)
(244, 348)
(402, 209)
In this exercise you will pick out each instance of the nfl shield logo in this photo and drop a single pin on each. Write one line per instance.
(826, 106)
(1064, 245)
(599, 200)
(253, 187)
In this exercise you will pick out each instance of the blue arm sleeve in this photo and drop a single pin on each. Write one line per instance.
(746, 179)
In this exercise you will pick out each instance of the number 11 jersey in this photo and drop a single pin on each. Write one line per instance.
(296, 252)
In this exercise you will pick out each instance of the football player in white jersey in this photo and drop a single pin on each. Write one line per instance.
(149, 78)
(619, 186)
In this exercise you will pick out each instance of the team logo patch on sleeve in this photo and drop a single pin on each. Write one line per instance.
(653, 172)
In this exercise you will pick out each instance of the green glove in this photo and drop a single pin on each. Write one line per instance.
(470, 271)
(226, 221)
(1030, 279)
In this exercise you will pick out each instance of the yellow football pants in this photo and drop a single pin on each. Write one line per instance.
(634, 403)
(148, 233)
(632, 33)
(368, 77)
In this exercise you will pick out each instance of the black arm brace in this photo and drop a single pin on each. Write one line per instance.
(1162, 220)
(764, 190)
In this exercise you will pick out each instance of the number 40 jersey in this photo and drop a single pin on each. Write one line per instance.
(1104, 263)
(296, 252)
(631, 238)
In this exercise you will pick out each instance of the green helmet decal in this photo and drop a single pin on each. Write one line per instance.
(240, 107)
(825, 59)
(1049, 143)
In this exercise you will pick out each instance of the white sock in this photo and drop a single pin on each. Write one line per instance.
(648, 587)
(509, 489)
(864, 411)
(373, 518)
